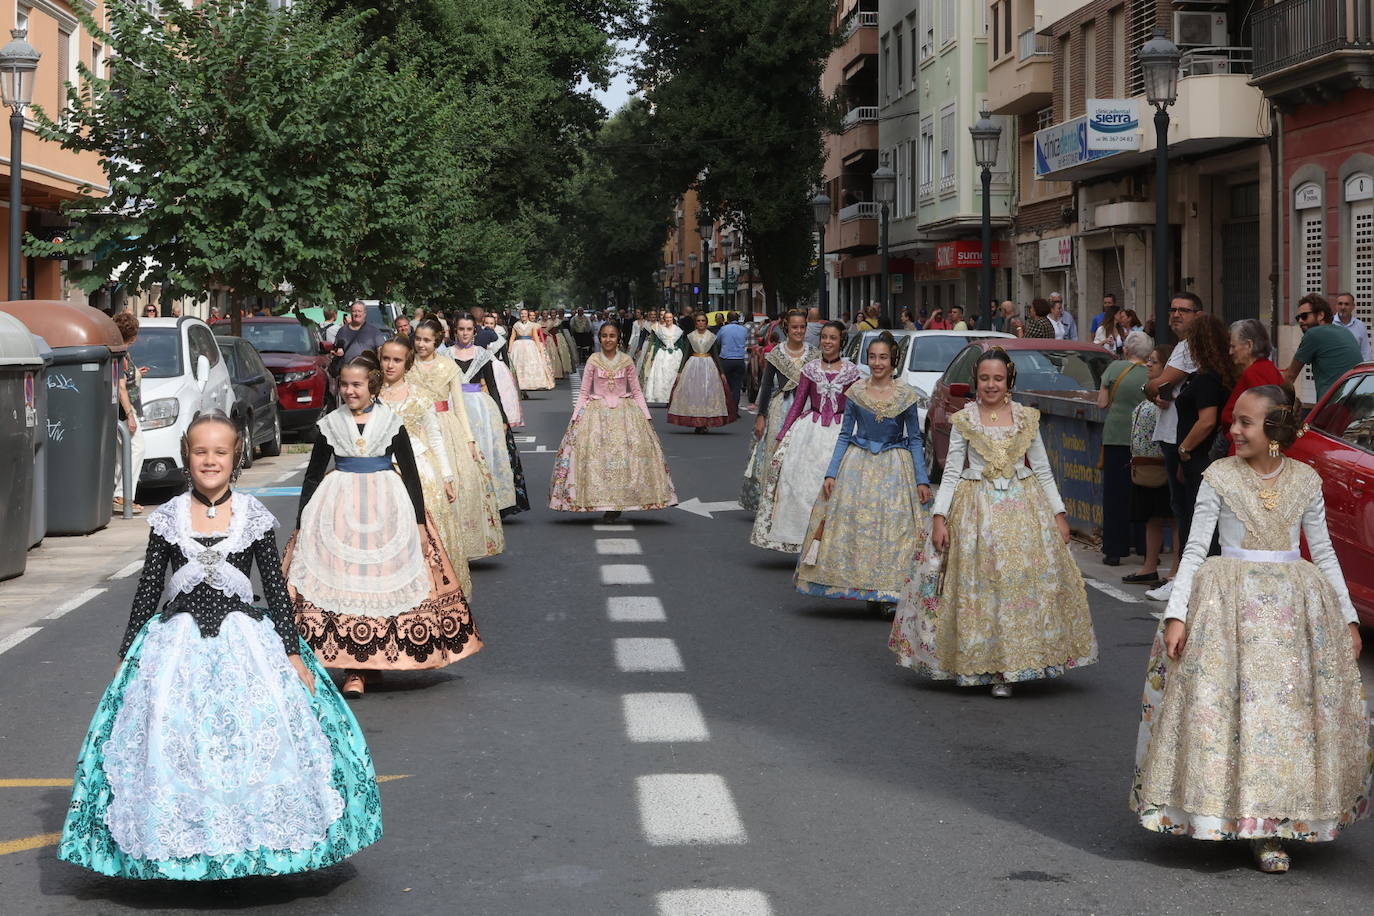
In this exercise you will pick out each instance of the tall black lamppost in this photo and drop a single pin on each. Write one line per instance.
(705, 228)
(679, 289)
(985, 133)
(884, 189)
(727, 245)
(820, 212)
(18, 61)
(687, 296)
(1159, 63)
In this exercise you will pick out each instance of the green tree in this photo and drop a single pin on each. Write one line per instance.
(247, 149)
(735, 90)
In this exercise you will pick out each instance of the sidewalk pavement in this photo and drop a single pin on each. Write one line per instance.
(63, 573)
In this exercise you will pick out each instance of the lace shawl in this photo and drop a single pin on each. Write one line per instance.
(249, 521)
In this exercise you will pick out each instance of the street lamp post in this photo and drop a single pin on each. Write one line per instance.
(691, 270)
(884, 188)
(1159, 62)
(727, 245)
(985, 133)
(820, 212)
(18, 61)
(681, 282)
(705, 228)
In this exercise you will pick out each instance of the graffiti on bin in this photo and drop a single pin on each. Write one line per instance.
(55, 431)
(58, 382)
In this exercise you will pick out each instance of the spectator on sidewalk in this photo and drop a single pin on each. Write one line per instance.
(1330, 350)
(1109, 306)
(130, 412)
(1064, 323)
(1345, 318)
(1150, 504)
(814, 323)
(731, 341)
(1038, 324)
(1250, 350)
(330, 328)
(1123, 387)
(357, 335)
(956, 318)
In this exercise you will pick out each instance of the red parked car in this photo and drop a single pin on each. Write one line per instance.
(1065, 368)
(1339, 444)
(299, 363)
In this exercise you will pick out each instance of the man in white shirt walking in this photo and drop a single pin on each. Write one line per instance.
(1345, 317)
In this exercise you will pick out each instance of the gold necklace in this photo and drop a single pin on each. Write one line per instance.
(1269, 495)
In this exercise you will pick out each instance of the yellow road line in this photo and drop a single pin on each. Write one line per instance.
(29, 842)
(34, 783)
(393, 778)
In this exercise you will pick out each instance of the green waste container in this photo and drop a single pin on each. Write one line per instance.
(82, 410)
(38, 526)
(20, 367)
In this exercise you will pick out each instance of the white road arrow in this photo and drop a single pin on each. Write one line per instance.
(697, 507)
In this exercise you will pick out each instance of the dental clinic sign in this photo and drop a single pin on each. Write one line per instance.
(1113, 125)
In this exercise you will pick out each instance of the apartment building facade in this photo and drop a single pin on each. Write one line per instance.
(50, 174)
(1084, 222)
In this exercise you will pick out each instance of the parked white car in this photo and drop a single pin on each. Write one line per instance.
(922, 357)
(186, 376)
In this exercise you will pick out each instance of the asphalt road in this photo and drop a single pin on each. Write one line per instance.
(788, 766)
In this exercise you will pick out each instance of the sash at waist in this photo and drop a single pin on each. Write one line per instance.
(441, 406)
(523, 337)
(1261, 556)
(707, 355)
(878, 446)
(471, 386)
(998, 483)
(362, 465)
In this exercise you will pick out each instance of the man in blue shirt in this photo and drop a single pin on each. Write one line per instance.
(730, 343)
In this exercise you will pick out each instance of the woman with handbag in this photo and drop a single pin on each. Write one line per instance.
(1149, 497)
(1123, 387)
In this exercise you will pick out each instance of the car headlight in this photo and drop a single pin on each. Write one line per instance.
(296, 376)
(161, 413)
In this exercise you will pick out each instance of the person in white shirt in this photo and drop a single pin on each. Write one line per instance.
(1065, 325)
(1184, 310)
(1345, 317)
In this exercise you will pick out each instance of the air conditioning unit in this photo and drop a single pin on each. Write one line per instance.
(1200, 30)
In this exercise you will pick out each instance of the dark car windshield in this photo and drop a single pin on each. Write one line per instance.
(275, 337)
(933, 353)
(159, 351)
(1060, 370)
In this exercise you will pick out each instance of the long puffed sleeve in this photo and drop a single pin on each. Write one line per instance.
(1205, 515)
(434, 435)
(1040, 466)
(638, 394)
(274, 591)
(767, 388)
(954, 468)
(806, 390)
(455, 404)
(404, 457)
(851, 416)
(150, 585)
(911, 420)
(1323, 555)
(584, 392)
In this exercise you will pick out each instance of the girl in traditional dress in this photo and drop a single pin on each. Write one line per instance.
(701, 395)
(527, 358)
(567, 349)
(995, 597)
(437, 479)
(610, 459)
(781, 375)
(549, 338)
(667, 362)
(438, 378)
(506, 385)
(648, 346)
(221, 749)
(488, 419)
(373, 586)
(805, 444)
(873, 493)
(1255, 727)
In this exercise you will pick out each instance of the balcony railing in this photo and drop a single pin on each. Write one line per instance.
(864, 210)
(860, 114)
(856, 21)
(1029, 44)
(1296, 31)
(1211, 61)
(927, 189)
(947, 182)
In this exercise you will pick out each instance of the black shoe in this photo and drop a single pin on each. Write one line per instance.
(1111, 561)
(1142, 579)
(611, 517)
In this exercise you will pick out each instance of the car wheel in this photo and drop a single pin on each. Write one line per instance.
(272, 447)
(932, 466)
(246, 433)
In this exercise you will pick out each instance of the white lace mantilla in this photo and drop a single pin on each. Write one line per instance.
(248, 522)
(340, 430)
(480, 358)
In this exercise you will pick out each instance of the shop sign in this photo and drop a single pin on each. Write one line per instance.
(1113, 124)
(1064, 146)
(1307, 196)
(1056, 252)
(895, 281)
(965, 255)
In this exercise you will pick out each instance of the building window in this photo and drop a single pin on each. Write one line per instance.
(996, 26)
(949, 21)
(66, 72)
(927, 157)
(1359, 195)
(21, 18)
(948, 144)
(927, 29)
(1065, 78)
(886, 76)
(915, 41)
(1090, 61)
(911, 157)
(1006, 30)
(1309, 203)
(901, 70)
(1118, 55)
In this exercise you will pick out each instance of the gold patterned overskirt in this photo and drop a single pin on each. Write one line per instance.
(610, 460)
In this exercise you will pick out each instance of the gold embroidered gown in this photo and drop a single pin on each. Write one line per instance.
(1013, 606)
(782, 373)
(1260, 728)
(478, 516)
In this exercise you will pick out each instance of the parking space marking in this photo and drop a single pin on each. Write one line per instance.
(713, 902)
(616, 526)
(688, 809)
(635, 609)
(626, 574)
(127, 571)
(15, 638)
(74, 603)
(647, 655)
(618, 547)
(663, 717)
(1111, 591)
